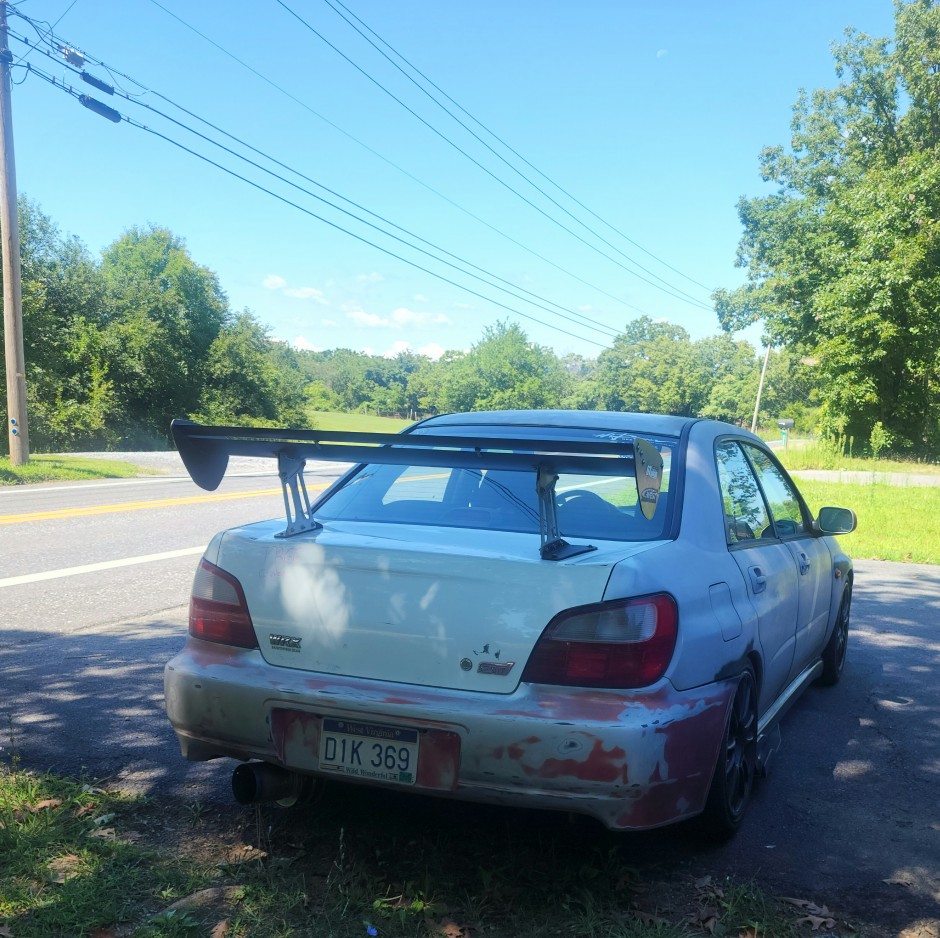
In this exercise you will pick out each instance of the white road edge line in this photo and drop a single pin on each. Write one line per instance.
(321, 468)
(96, 567)
(148, 480)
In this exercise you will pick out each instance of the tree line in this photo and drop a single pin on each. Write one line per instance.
(117, 346)
(651, 366)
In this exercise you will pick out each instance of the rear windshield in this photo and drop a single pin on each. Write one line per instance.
(589, 506)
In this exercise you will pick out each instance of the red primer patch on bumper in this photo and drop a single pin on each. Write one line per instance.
(600, 765)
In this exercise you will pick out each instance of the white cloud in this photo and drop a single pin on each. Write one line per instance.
(421, 298)
(432, 350)
(370, 320)
(406, 317)
(401, 317)
(329, 323)
(374, 277)
(662, 53)
(586, 308)
(396, 349)
(274, 282)
(307, 293)
(305, 345)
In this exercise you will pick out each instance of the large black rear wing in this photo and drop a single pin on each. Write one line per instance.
(205, 452)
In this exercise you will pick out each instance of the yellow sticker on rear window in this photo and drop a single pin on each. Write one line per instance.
(649, 476)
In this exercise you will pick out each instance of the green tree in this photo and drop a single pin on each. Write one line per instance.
(843, 259)
(250, 380)
(651, 368)
(503, 371)
(343, 373)
(729, 373)
(70, 395)
(163, 314)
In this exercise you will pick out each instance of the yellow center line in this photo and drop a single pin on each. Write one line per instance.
(140, 505)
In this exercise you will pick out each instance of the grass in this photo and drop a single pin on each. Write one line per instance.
(359, 423)
(83, 862)
(894, 522)
(68, 867)
(45, 468)
(815, 456)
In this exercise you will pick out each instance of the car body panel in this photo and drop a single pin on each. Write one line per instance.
(770, 578)
(406, 603)
(813, 562)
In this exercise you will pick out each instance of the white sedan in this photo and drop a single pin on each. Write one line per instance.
(605, 613)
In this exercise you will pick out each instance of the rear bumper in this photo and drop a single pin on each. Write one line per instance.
(632, 760)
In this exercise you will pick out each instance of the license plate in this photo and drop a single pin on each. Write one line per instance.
(369, 751)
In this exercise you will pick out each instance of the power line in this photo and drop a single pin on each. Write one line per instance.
(334, 3)
(498, 155)
(589, 322)
(61, 86)
(679, 295)
(377, 154)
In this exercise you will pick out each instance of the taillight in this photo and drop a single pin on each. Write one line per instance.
(217, 608)
(622, 643)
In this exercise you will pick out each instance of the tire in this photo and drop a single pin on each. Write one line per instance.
(833, 656)
(736, 768)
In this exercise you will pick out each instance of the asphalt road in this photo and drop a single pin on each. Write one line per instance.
(94, 580)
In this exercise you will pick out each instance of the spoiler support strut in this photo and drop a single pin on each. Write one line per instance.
(290, 471)
(553, 545)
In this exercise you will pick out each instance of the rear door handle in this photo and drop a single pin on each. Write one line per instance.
(758, 579)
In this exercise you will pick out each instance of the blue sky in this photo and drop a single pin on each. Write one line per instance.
(650, 114)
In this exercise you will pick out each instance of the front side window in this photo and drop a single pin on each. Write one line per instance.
(785, 508)
(746, 517)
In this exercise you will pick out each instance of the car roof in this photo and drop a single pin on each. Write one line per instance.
(654, 424)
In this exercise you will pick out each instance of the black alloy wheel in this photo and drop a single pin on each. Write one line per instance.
(736, 769)
(833, 656)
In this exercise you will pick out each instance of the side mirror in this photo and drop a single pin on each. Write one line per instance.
(836, 521)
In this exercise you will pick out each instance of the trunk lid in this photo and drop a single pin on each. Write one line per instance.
(438, 607)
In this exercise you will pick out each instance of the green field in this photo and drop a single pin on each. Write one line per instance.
(358, 423)
(806, 454)
(894, 522)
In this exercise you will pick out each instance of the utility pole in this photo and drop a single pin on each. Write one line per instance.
(12, 286)
(760, 390)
